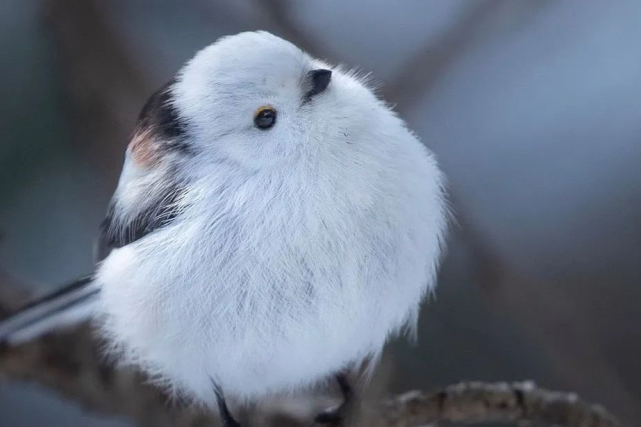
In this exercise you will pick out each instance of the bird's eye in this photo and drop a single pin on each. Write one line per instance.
(265, 117)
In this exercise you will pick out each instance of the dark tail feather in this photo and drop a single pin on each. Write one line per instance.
(70, 305)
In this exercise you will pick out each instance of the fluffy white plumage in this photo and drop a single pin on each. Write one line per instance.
(298, 250)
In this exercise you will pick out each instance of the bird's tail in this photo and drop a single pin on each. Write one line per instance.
(65, 307)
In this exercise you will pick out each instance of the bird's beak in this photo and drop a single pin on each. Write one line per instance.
(316, 82)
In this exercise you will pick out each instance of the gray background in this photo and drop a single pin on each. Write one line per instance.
(533, 108)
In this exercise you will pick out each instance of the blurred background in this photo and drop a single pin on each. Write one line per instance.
(533, 108)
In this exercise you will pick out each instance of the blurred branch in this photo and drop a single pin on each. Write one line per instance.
(104, 90)
(419, 74)
(477, 402)
(555, 320)
(71, 363)
(278, 14)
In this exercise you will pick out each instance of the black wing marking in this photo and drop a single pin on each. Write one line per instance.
(160, 118)
(47, 313)
(116, 232)
(160, 115)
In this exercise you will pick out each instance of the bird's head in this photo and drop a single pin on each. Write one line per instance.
(258, 101)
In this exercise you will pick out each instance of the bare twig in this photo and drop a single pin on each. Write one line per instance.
(477, 402)
(278, 15)
(423, 70)
(70, 362)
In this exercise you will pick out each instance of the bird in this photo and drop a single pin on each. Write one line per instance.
(274, 224)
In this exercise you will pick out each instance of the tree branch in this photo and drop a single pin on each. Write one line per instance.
(417, 76)
(424, 70)
(71, 363)
(478, 402)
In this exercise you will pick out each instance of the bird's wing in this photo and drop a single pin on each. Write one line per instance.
(65, 307)
(147, 199)
(75, 302)
(118, 230)
(149, 190)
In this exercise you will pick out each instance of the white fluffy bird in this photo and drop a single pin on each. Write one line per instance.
(274, 224)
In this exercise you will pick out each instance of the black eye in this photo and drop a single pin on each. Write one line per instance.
(265, 117)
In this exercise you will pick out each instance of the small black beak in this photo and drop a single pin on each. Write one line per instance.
(316, 82)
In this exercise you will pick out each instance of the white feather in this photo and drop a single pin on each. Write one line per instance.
(78, 313)
(299, 249)
(73, 305)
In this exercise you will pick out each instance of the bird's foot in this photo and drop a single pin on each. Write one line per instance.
(226, 417)
(332, 417)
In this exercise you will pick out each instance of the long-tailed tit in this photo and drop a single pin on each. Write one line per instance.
(273, 225)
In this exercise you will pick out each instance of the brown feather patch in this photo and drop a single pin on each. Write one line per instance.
(144, 148)
(160, 129)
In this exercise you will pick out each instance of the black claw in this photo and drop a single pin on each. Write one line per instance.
(343, 383)
(329, 417)
(226, 416)
(335, 416)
